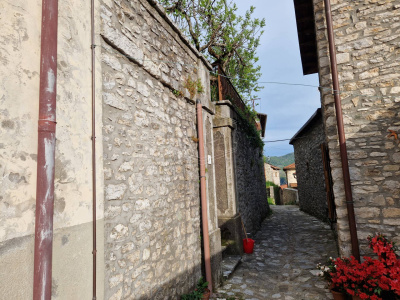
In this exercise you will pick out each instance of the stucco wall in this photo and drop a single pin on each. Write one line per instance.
(367, 40)
(271, 174)
(310, 170)
(19, 95)
(290, 176)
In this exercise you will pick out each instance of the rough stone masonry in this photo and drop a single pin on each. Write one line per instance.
(367, 35)
(152, 219)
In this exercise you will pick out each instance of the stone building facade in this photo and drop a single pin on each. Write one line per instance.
(272, 174)
(310, 167)
(148, 211)
(290, 172)
(367, 44)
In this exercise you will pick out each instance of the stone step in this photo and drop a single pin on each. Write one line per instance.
(228, 248)
(223, 249)
(229, 264)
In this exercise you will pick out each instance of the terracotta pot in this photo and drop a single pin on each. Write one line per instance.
(356, 298)
(207, 294)
(338, 295)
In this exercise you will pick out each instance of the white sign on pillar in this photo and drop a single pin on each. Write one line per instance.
(209, 159)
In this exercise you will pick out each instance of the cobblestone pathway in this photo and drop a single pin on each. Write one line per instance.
(283, 265)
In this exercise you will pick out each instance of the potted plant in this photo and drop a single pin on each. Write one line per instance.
(200, 293)
(327, 271)
(373, 279)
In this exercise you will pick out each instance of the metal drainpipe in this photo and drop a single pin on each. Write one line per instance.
(46, 153)
(342, 137)
(94, 251)
(203, 195)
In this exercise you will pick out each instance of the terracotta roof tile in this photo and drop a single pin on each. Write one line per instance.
(290, 167)
(273, 167)
(283, 186)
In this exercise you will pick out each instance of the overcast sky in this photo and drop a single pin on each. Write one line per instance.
(287, 107)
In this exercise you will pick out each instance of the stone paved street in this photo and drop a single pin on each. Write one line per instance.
(283, 265)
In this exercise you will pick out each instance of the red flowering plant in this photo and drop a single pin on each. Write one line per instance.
(327, 271)
(386, 249)
(373, 279)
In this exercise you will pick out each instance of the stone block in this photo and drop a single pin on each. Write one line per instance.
(231, 230)
(367, 212)
(365, 189)
(216, 256)
(391, 212)
(114, 192)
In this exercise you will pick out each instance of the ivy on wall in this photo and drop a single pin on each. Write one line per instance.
(247, 124)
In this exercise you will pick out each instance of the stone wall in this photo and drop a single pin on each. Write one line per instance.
(290, 197)
(367, 39)
(310, 170)
(152, 224)
(250, 178)
(19, 98)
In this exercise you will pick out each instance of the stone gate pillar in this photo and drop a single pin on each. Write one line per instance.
(227, 208)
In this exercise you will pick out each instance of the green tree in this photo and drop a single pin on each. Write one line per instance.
(224, 37)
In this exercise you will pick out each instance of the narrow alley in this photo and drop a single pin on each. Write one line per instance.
(283, 266)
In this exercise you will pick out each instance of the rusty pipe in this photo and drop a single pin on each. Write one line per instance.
(94, 204)
(203, 195)
(46, 153)
(342, 136)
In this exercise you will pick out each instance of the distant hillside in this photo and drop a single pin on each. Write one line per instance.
(281, 161)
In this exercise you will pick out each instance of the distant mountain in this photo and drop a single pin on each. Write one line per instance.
(281, 161)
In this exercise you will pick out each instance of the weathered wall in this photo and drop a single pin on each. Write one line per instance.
(214, 231)
(310, 170)
(152, 224)
(224, 160)
(250, 178)
(290, 177)
(290, 197)
(271, 174)
(19, 94)
(367, 39)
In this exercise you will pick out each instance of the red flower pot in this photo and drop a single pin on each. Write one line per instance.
(207, 294)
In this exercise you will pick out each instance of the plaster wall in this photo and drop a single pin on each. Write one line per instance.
(271, 174)
(19, 95)
(367, 42)
(290, 176)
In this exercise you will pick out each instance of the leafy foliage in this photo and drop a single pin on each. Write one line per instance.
(217, 31)
(277, 194)
(197, 294)
(194, 87)
(246, 123)
(270, 183)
